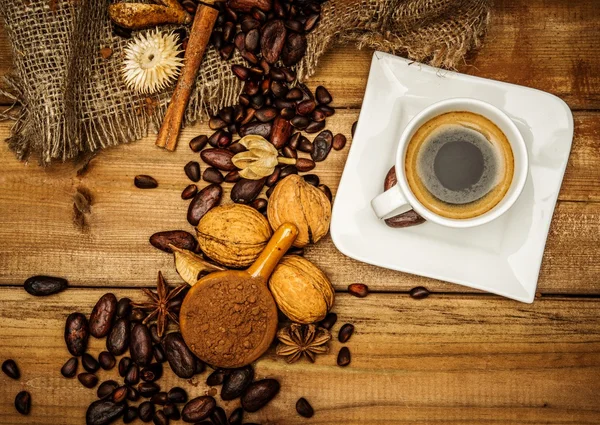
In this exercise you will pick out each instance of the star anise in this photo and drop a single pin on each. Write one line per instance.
(159, 307)
(302, 340)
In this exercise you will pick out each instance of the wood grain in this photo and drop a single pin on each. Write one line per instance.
(468, 360)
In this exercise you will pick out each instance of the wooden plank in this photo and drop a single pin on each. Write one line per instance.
(442, 360)
(38, 234)
(551, 45)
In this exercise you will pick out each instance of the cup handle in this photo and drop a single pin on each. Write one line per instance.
(389, 201)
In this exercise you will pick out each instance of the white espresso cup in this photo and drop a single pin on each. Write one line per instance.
(400, 197)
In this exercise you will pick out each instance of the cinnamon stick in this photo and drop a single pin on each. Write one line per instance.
(202, 26)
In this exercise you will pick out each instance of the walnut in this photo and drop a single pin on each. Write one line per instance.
(297, 202)
(301, 290)
(233, 235)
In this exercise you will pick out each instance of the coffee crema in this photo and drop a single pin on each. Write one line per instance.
(459, 165)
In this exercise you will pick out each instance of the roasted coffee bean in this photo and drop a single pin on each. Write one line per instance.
(160, 418)
(69, 369)
(41, 286)
(162, 240)
(177, 395)
(237, 148)
(198, 409)
(259, 393)
(10, 368)
(136, 315)
(232, 176)
(390, 179)
(132, 394)
(304, 408)
(305, 145)
(245, 190)
(140, 346)
(89, 363)
(120, 394)
(345, 333)
(132, 377)
(260, 204)
(148, 389)
(218, 158)
(419, 293)
(328, 321)
(189, 192)
(326, 191)
(146, 411)
(192, 171)
(236, 417)
(180, 358)
(305, 164)
(144, 181)
(172, 411)
(204, 201)
(152, 372)
(104, 412)
(106, 388)
(124, 304)
(159, 353)
(259, 128)
(300, 122)
(406, 219)
(281, 132)
(266, 114)
(198, 143)
(117, 341)
(216, 123)
(130, 415)
(279, 89)
(77, 333)
(226, 51)
(160, 398)
(321, 146)
(359, 290)
(107, 361)
(272, 40)
(124, 365)
(217, 377)
(218, 416)
(88, 380)
(294, 49)
(343, 358)
(287, 170)
(23, 402)
(102, 316)
(311, 179)
(236, 382)
(311, 22)
(323, 96)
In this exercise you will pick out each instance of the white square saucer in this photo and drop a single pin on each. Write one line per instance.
(503, 256)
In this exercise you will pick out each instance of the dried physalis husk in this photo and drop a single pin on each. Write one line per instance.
(191, 266)
(260, 159)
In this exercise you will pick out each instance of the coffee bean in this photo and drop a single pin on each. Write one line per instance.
(323, 96)
(287, 170)
(236, 382)
(102, 316)
(132, 394)
(346, 332)
(76, 333)
(130, 415)
(353, 128)
(69, 369)
(419, 293)
(339, 141)
(216, 377)
(405, 219)
(325, 189)
(328, 321)
(160, 398)
(259, 128)
(390, 179)
(189, 192)
(162, 240)
(146, 411)
(180, 358)
(117, 341)
(218, 416)
(41, 286)
(136, 315)
(144, 181)
(106, 388)
(311, 179)
(151, 372)
(124, 365)
(172, 412)
(306, 107)
(106, 360)
(88, 380)
(236, 417)
(104, 412)
(305, 164)
(10, 368)
(260, 204)
(120, 394)
(198, 143)
(177, 395)
(148, 389)
(281, 132)
(359, 290)
(205, 200)
(132, 377)
(294, 49)
(272, 40)
(159, 353)
(304, 408)
(299, 122)
(245, 190)
(343, 358)
(259, 393)
(198, 409)
(89, 363)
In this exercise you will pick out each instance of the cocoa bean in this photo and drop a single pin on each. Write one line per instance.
(245, 191)
(304, 408)
(198, 143)
(359, 290)
(328, 321)
(353, 130)
(346, 332)
(124, 304)
(260, 204)
(130, 415)
(284, 103)
(250, 112)
(140, 346)
(273, 178)
(294, 25)
(237, 148)
(217, 377)
(315, 126)
(117, 341)
(192, 171)
(179, 238)
(106, 388)
(287, 170)
(240, 71)
(294, 49)
(259, 393)
(76, 333)
(152, 372)
(228, 31)
(311, 22)
(148, 389)
(160, 398)
(311, 179)
(236, 417)
(321, 146)
(69, 369)
(277, 74)
(289, 152)
(294, 94)
(344, 358)
(226, 114)
(244, 100)
(259, 128)
(305, 145)
(88, 380)
(249, 23)
(288, 113)
(124, 365)
(180, 358)
(232, 176)
(41, 286)
(248, 5)
(177, 395)
(144, 181)
(290, 76)
(280, 90)
(326, 191)
(272, 40)
(406, 219)
(216, 123)
(323, 96)
(318, 115)
(10, 368)
(419, 293)
(132, 377)
(160, 418)
(119, 395)
(198, 409)
(190, 191)
(133, 394)
(172, 412)
(252, 40)
(104, 412)
(266, 114)
(339, 141)
(300, 122)
(226, 51)
(306, 107)
(23, 402)
(107, 360)
(281, 132)
(89, 363)
(136, 315)
(204, 200)
(146, 411)
(305, 164)
(250, 87)
(236, 382)
(213, 140)
(159, 353)
(103, 315)
(258, 101)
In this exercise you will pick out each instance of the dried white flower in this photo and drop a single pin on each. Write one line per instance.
(151, 61)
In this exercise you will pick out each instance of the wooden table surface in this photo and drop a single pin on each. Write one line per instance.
(457, 357)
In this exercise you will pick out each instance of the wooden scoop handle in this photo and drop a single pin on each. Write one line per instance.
(280, 242)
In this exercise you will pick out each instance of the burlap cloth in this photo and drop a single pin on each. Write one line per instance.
(75, 101)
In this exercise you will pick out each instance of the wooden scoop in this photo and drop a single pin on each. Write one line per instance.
(229, 318)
